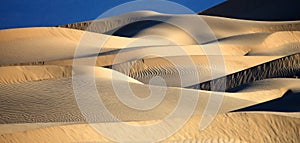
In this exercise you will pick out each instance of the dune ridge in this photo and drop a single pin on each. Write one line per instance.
(259, 60)
(283, 67)
(223, 29)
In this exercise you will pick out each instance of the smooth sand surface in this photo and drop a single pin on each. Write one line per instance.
(232, 127)
(19, 74)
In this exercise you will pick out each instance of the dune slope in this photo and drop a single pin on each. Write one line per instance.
(50, 90)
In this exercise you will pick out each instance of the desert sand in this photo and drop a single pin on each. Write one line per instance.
(259, 61)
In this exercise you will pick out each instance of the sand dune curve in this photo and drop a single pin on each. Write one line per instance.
(40, 78)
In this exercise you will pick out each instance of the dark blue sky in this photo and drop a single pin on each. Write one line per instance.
(29, 13)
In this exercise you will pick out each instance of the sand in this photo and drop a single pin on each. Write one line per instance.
(40, 79)
(231, 127)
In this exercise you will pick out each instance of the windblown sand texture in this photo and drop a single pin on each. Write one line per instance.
(259, 79)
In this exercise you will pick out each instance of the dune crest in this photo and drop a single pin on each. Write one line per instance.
(53, 79)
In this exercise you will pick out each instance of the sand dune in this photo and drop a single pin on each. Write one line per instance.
(145, 68)
(37, 45)
(222, 27)
(265, 44)
(19, 74)
(253, 127)
(233, 34)
(174, 69)
(59, 49)
(279, 68)
(59, 94)
(232, 127)
(287, 103)
(36, 113)
(40, 79)
(20, 47)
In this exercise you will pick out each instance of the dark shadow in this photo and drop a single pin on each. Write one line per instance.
(290, 102)
(266, 10)
(285, 67)
(132, 29)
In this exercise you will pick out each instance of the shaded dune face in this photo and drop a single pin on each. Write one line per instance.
(133, 29)
(288, 103)
(287, 67)
(158, 28)
(257, 79)
(264, 10)
(132, 23)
